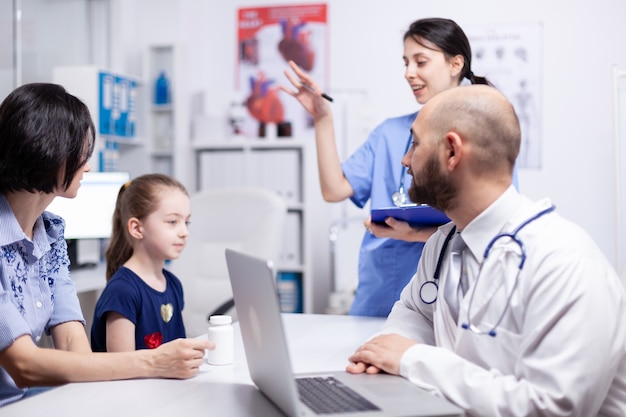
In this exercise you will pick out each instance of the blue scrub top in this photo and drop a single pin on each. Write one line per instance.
(374, 171)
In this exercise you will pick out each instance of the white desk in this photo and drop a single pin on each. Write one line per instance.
(316, 343)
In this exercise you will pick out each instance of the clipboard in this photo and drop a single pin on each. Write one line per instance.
(416, 215)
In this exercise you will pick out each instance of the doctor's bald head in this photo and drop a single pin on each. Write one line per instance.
(483, 117)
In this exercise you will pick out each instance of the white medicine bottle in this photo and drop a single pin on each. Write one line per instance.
(221, 333)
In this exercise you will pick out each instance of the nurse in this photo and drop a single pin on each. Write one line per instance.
(437, 56)
(539, 330)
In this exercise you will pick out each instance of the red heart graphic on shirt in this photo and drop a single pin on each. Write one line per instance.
(153, 340)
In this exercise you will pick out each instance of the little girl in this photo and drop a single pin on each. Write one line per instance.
(141, 305)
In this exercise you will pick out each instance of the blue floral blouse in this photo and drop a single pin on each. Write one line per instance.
(36, 290)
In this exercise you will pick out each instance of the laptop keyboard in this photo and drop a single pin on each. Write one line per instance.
(326, 395)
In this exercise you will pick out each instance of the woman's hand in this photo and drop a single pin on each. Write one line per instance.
(397, 229)
(307, 92)
(180, 358)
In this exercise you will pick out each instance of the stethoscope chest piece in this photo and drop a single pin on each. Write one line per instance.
(428, 292)
(399, 197)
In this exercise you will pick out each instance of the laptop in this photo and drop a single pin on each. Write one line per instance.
(258, 310)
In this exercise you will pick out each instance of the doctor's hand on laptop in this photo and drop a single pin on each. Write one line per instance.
(381, 353)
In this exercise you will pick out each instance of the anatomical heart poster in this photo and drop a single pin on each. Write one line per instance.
(269, 37)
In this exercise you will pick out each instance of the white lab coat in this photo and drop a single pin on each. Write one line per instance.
(560, 348)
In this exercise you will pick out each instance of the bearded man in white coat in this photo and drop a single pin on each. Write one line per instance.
(540, 327)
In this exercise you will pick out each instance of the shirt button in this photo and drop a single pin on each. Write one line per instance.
(39, 304)
(38, 338)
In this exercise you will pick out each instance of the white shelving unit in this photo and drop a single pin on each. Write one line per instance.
(115, 102)
(280, 165)
(168, 125)
(161, 117)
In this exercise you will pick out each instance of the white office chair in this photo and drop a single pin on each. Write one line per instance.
(247, 219)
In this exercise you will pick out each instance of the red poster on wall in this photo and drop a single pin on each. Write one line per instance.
(267, 38)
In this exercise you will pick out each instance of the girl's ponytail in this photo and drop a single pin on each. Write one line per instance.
(119, 249)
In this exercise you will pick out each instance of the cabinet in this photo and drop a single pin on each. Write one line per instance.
(115, 103)
(139, 134)
(280, 165)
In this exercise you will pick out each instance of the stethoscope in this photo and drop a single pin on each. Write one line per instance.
(399, 198)
(429, 289)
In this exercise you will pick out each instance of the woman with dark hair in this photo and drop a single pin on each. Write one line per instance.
(437, 56)
(47, 137)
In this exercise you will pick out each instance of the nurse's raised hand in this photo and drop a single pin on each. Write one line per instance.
(307, 92)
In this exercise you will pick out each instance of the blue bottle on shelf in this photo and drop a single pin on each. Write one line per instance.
(162, 89)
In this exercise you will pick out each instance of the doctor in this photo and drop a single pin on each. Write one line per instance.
(540, 326)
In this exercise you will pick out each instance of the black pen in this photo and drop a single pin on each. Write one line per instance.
(324, 95)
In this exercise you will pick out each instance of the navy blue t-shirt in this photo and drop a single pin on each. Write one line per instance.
(157, 315)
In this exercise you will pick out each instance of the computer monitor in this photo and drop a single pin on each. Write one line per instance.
(89, 215)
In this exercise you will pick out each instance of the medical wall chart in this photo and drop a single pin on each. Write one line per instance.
(511, 57)
(268, 37)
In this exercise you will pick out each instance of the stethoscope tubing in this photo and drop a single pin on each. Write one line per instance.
(426, 288)
(399, 197)
(513, 236)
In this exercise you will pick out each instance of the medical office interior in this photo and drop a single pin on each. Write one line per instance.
(561, 60)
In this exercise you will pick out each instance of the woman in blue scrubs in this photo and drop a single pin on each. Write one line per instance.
(437, 56)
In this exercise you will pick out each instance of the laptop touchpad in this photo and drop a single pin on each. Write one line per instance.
(389, 388)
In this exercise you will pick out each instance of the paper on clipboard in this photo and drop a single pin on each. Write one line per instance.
(416, 215)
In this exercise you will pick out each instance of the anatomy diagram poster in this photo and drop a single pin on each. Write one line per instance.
(268, 37)
(511, 57)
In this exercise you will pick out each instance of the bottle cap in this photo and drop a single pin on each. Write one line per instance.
(220, 320)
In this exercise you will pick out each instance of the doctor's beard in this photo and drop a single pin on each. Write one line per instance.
(432, 186)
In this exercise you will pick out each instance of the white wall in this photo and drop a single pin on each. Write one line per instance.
(581, 45)
(42, 45)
